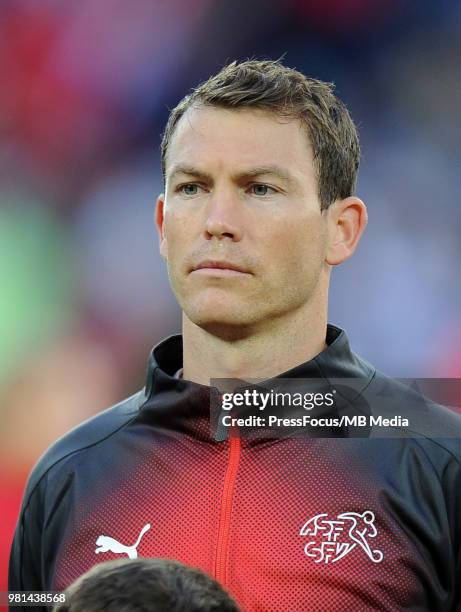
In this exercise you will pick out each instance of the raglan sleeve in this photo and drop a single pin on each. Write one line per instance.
(457, 606)
(453, 503)
(25, 565)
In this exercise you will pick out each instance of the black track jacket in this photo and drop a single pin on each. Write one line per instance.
(344, 522)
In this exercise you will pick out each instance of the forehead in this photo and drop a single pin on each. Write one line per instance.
(227, 138)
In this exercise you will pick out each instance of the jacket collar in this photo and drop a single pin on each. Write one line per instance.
(184, 405)
(336, 361)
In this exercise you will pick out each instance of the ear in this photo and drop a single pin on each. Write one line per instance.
(160, 223)
(346, 221)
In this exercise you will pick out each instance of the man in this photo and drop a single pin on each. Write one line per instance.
(260, 167)
(145, 585)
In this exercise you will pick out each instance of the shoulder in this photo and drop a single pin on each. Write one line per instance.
(435, 426)
(86, 435)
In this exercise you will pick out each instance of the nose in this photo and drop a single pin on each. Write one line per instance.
(224, 217)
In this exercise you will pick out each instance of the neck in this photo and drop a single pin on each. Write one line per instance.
(265, 353)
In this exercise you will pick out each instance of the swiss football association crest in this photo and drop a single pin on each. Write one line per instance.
(331, 539)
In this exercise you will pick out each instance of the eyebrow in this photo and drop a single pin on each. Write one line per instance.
(269, 170)
(189, 171)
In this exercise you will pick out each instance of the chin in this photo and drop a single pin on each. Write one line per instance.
(227, 331)
(227, 323)
(216, 307)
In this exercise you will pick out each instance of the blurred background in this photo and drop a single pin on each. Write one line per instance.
(85, 92)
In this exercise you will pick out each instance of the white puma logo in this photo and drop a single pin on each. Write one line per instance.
(106, 544)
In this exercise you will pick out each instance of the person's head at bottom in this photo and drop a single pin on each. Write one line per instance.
(150, 585)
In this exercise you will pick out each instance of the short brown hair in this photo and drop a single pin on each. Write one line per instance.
(271, 86)
(146, 585)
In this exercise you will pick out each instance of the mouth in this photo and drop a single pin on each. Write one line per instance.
(219, 268)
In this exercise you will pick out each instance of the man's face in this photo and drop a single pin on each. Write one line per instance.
(241, 191)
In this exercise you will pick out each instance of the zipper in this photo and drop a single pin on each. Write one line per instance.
(226, 508)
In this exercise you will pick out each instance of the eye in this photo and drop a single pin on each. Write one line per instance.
(260, 189)
(188, 189)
